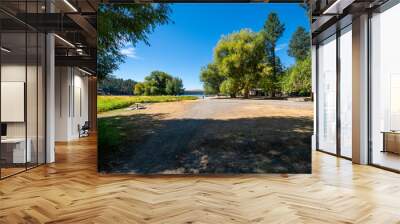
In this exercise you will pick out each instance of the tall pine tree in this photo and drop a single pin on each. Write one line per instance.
(300, 44)
(273, 30)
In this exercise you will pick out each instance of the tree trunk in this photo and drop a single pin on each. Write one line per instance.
(246, 93)
(233, 95)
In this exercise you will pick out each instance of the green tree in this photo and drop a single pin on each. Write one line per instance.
(298, 78)
(147, 89)
(139, 89)
(238, 57)
(268, 82)
(119, 24)
(179, 90)
(300, 44)
(211, 78)
(116, 86)
(272, 31)
(307, 8)
(230, 87)
(174, 86)
(265, 81)
(158, 82)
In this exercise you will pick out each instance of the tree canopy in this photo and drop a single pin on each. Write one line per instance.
(116, 86)
(298, 78)
(299, 45)
(240, 57)
(211, 78)
(121, 24)
(159, 83)
(272, 31)
(230, 87)
(174, 86)
(246, 61)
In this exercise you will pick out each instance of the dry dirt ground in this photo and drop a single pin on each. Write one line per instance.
(208, 136)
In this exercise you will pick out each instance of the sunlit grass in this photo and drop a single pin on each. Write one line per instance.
(107, 103)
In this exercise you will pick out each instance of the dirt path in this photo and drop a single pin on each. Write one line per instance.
(221, 136)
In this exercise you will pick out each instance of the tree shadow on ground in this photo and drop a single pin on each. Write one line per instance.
(283, 98)
(147, 144)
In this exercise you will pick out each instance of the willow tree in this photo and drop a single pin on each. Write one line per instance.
(211, 78)
(240, 57)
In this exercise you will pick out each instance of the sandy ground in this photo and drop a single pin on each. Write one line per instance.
(213, 136)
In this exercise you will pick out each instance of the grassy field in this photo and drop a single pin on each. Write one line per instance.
(107, 103)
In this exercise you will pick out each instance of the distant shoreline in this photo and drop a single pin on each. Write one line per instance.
(194, 93)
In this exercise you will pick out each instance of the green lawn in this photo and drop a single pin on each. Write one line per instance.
(107, 103)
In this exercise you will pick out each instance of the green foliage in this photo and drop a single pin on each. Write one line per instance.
(307, 9)
(138, 89)
(273, 30)
(298, 78)
(116, 86)
(174, 87)
(246, 60)
(107, 62)
(269, 82)
(211, 78)
(119, 24)
(239, 57)
(107, 103)
(266, 81)
(300, 44)
(229, 87)
(159, 83)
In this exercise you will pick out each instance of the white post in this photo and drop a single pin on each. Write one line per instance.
(314, 93)
(360, 90)
(50, 103)
(50, 93)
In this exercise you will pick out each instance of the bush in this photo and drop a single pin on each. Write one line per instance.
(297, 80)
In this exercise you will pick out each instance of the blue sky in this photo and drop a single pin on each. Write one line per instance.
(183, 46)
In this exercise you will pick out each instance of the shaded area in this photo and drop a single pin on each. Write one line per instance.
(146, 144)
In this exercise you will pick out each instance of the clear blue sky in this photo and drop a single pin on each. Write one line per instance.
(182, 47)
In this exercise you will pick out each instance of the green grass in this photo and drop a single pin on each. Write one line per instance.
(107, 103)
